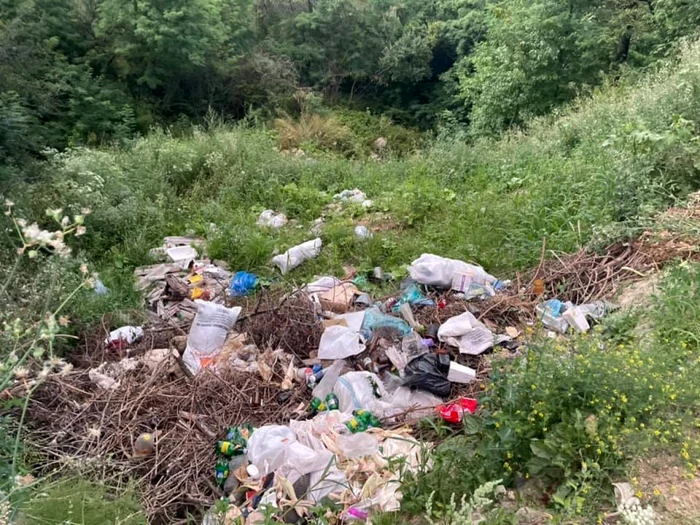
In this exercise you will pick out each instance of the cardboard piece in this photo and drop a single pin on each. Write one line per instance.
(339, 298)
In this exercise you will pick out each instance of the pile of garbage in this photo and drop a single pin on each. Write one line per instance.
(292, 398)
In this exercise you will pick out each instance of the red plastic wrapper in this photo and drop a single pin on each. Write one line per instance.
(453, 412)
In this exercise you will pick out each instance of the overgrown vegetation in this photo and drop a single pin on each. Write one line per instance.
(92, 72)
(567, 415)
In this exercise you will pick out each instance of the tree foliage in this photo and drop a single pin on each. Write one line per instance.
(90, 71)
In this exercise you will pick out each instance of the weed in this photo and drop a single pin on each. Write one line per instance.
(81, 502)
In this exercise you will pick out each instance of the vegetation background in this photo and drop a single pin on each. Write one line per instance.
(504, 122)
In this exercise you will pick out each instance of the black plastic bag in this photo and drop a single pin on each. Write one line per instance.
(429, 372)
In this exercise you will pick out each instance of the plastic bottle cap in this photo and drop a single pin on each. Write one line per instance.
(253, 471)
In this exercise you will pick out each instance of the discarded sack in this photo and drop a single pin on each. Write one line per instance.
(208, 334)
(433, 270)
(466, 333)
(272, 219)
(297, 255)
(361, 390)
(429, 372)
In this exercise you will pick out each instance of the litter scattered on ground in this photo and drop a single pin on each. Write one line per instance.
(353, 196)
(272, 219)
(559, 316)
(321, 385)
(297, 255)
(172, 287)
(124, 336)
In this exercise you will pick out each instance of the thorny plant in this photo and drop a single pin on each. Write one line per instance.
(31, 355)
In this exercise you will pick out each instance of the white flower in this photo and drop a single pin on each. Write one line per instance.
(21, 373)
(65, 221)
(83, 268)
(80, 230)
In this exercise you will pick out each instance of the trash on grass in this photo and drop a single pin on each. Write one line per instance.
(453, 412)
(429, 372)
(124, 336)
(558, 316)
(468, 334)
(363, 232)
(208, 334)
(433, 270)
(242, 284)
(272, 219)
(144, 444)
(353, 196)
(297, 255)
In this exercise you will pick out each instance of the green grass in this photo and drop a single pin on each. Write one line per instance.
(80, 502)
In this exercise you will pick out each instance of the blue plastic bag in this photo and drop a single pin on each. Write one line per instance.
(375, 319)
(242, 283)
(412, 294)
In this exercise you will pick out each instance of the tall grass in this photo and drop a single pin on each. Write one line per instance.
(587, 173)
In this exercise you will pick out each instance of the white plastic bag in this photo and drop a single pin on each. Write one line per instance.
(339, 342)
(434, 270)
(297, 255)
(275, 448)
(466, 333)
(357, 445)
(328, 381)
(125, 335)
(208, 334)
(356, 390)
(272, 219)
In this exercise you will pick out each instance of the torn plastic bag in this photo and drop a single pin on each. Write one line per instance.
(272, 219)
(468, 334)
(413, 295)
(429, 372)
(208, 334)
(413, 346)
(357, 445)
(330, 377)
(274, 448)
(578, 316)
(356, 390)
(242, 284)
(297, 255)
(412, 404)
(434, 270)
(339, 342)
(375, 320)
(124, 336)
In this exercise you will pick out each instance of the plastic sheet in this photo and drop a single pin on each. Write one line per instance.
(467, 333)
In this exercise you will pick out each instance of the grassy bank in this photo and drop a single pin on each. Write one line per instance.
(570, 414)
